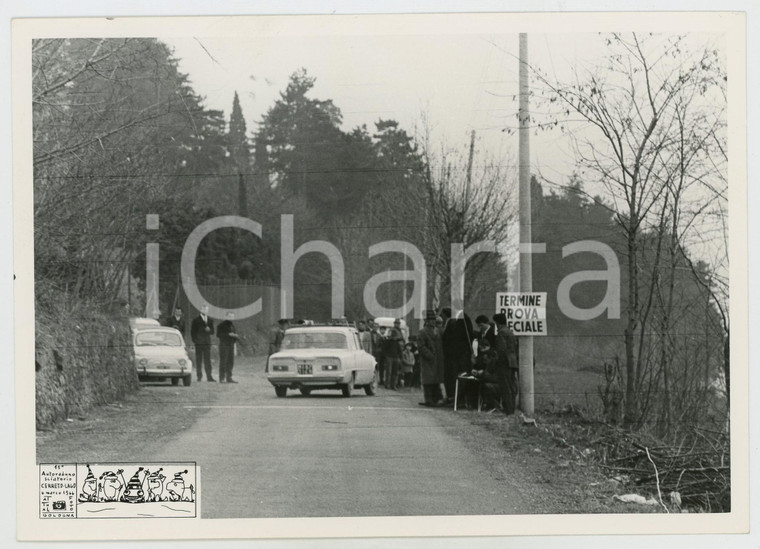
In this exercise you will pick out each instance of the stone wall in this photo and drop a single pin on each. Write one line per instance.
(83, 358)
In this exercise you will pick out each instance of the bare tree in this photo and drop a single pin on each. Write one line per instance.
(625, 117)
(468, 200)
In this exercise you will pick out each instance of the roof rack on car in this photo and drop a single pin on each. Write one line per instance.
(338, 322)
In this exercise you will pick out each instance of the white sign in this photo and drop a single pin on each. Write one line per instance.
(525, 312)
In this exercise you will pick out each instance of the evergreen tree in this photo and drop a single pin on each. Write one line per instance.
(239, 153)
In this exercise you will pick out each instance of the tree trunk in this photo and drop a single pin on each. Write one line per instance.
(631, 404)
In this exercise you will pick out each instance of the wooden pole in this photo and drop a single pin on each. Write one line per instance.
(526, 266)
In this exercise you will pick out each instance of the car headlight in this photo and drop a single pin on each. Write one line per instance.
(279, 368)
(143, 362)
(182, 361)
(330, 367)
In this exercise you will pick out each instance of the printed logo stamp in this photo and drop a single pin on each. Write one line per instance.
(119, 490)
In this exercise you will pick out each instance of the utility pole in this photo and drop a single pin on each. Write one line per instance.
(526, 265)
(469, 173)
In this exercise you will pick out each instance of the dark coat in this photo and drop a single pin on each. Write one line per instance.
(489, 335)
(393, 343)
(431, 356)
(172, 322)
(457, 339)
(198, 332)
(506, 348)
(223, 333)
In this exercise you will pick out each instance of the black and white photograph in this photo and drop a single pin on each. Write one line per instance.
(400, 275)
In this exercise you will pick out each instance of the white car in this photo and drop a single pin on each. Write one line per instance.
(322, 357)
(139, 323)
(160, 354)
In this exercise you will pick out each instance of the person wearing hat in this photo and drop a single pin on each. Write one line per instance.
(89, 487)
(134, 493)
(431, 362)
(506, 362)
(176, 486)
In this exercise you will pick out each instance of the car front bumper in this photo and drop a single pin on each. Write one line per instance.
(149, 371)
(295, 381)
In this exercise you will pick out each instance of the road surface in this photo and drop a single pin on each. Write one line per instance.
(326, 455)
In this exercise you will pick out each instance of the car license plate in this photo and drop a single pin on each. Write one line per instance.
(304, 369)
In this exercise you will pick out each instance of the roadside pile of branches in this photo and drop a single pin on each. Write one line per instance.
(694, 474)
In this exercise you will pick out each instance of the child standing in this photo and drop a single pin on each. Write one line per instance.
(407, 365)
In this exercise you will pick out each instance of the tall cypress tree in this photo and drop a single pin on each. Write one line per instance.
(239, 153)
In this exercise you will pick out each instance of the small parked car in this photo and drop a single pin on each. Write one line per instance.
(322, 357)
(160, 354)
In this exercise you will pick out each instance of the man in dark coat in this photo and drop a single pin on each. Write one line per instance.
(506, 353)
(201, 330)
(487, 331)
(457, 336)
(177, 321)
(431, 362)
(227, 338)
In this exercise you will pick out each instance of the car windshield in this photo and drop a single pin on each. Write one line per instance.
(314, 340)
(154, 339)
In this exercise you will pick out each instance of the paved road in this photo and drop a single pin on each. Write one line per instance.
(325, 455)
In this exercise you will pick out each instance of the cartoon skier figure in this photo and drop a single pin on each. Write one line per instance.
(156, 485)
(111, 485)
(176, 486)
(89, 487)
(134, 493)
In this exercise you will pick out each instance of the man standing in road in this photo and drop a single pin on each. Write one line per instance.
(227, 338)
(506, 353)
(176, 321)
(201, 330)
(392, 349)
(431, 361)
(275, 336)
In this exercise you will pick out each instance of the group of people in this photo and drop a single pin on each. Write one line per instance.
(446, 351)
(201, 331)
(397, 359)
(441, 352)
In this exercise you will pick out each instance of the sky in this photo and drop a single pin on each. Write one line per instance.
(444, 83)
(458, 83)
